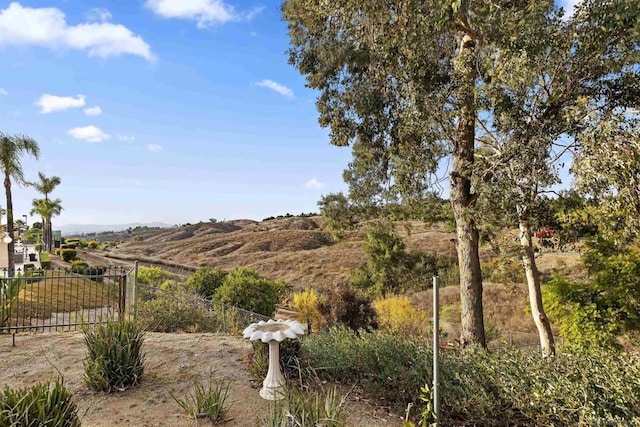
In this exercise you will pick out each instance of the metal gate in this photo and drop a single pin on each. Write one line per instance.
(63, 299)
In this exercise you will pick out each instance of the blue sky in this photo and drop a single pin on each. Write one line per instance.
(163, 110)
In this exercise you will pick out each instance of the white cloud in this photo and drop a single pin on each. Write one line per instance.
(315, 184)
(127, 138)
(50, 103)
(93, 111)
(98, 14)
(205, 13)
(277, 87)
(154, 148)
(89, 134)
(3, 92)
(47, 27)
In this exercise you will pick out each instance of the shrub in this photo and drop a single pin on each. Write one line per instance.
(78, 266)
(68, 254)
(205, 281)
(176, 310)
(115, 361)
(206, 401)
(92, 244)
(45, 260)
(502, 388)
(346, 307)
(46, 404)
(307, 303)
(153, 276)
(397, 313)
(248, 290)
(38, 247)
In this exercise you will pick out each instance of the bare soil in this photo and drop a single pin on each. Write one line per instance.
(173, 362)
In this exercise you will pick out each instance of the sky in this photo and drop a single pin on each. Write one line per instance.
(163, 110)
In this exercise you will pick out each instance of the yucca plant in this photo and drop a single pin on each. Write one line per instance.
(46, 404)
(300, 409)
(115, 361)
(206, 400)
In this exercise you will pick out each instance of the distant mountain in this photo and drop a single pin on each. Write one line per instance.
(99, 228)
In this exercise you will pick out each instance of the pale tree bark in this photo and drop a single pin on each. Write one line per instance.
(540, 319)
(462, 199)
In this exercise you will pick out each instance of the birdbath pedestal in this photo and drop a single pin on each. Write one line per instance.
(273, 332)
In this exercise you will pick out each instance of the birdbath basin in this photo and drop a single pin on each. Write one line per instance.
(273, 332)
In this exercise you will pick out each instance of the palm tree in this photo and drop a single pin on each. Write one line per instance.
(12, 148)
(47, 209)
(45, 187)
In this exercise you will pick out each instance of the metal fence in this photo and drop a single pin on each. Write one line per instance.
(62, 299)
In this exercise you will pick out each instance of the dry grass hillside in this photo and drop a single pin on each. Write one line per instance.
(300, 251)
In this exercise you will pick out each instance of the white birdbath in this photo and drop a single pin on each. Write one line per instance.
(273, 332)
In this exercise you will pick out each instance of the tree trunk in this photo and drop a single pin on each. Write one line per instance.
(463, 200)
(541, 320)
(11, 268)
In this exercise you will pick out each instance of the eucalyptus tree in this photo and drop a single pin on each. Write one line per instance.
(45, 186)
(400, 82)
(12, 148)
(581, 76)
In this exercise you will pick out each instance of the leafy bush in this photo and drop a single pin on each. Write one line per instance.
(78, 266)
(398, 314)
(46, 404)
(115, 361)
(503, 270)
(323, 409)
(345, 306)
(501, 388)
(68, 254)
(45, 260)
(246, 289)
(153, 276)
(38, 247)
(594, 313)
(206, 401)
(205, 281)
(173, 310)
(307, 303)
(92, 244)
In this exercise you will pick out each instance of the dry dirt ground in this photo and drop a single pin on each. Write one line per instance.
(173, 361)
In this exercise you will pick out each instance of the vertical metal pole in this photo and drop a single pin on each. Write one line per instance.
(134, 298)
(436, 347)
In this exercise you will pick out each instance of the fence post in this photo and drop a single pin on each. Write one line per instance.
(134, 299)
(436, 350)
(122, 303)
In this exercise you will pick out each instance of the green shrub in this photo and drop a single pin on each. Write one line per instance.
(153, 276)
(92, 244)
(45, 260)
(68, 254)
(115, 361)
(502, 388)
(595, 312)
(78, 266)
(38, 247)
(248, 290)
(206, 401)
(176, 310)
(344, 306)
(205, 281)
(319, 408)
(46, 404)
